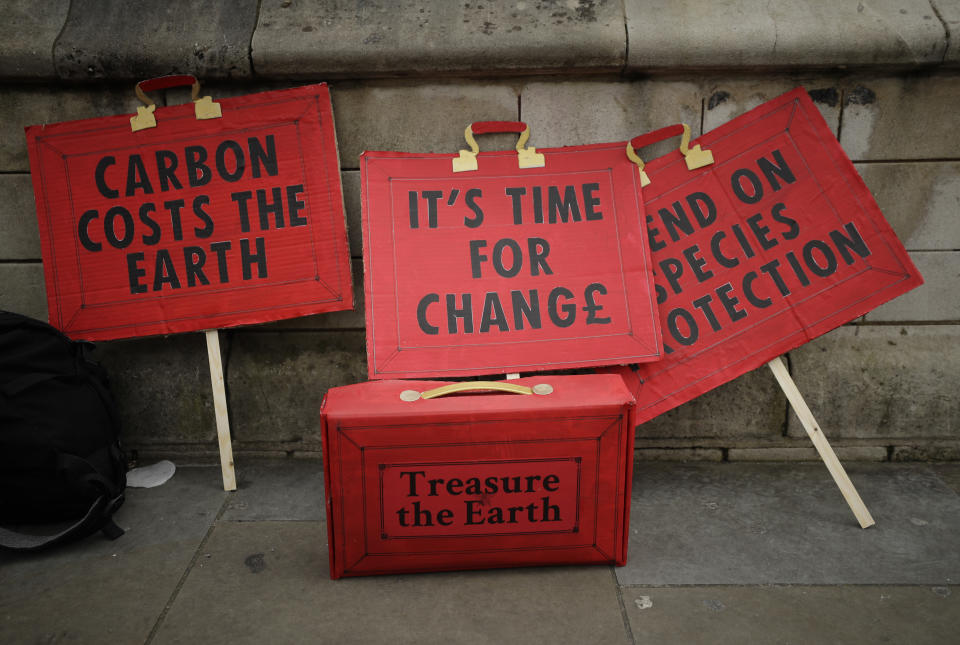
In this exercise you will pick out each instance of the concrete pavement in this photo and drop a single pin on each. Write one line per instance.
(719, 553)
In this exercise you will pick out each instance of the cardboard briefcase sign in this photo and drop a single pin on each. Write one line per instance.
(431, 476)
(503, 262)
(775, 243)
(191, 217)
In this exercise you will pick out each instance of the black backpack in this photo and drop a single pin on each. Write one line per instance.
(60, 456)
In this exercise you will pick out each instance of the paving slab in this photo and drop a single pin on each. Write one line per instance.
(27, 36)
(919, 199)
(114, 39)
(773, 614)
(19, 234)
(729, 98)
(881, 382)
(580, 112)
(297, 39)
(277, 489)
(901, 117)
(761, 524)
(98, 590)
(758, 33)
(949, 473)
(275, 579)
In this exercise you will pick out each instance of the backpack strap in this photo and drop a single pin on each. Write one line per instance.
(98, 516)
(94, 519)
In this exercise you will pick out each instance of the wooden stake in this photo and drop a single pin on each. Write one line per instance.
(220, 407)
(779, 369)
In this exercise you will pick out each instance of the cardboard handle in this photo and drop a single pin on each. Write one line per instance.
(476, 386)
(165, 83)
(490, 127)
(526, 157)
(203, 108)
(694, 157)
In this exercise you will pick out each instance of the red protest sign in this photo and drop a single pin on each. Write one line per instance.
(504, 268)
(192, 224)
(775, 243)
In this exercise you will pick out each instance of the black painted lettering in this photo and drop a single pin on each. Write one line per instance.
(198, 172)
(590, 202)
(263, 158)
(425, 326)
(771, 171)
(516, 254)
(83, 231)
(591, 306)
(493, 313)
(476, 257)
(850, 242)
(198, 203)
(755, 192)
(238, 161)
(137, 177)
(295, 205)
(241, 199)
(166, 170)
(173, 207)
(101, 179)
(194, 258)
(515, 194)
(248, 259)
(760, 232)
(465, 313)
(697, 263)
(569, 309)
(529, 309)
(221, 248)
(563, 208)
(110, 227)
(471, 198)
(155, 232)
(163, 272)
(134, 273)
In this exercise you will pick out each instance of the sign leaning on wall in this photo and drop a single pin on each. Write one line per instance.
(191, 217)
(775, 243)
(504, 261)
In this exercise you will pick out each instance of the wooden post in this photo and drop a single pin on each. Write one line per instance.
(220, 408)
(779, 369)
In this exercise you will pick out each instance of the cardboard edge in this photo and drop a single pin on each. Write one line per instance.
(327, 491)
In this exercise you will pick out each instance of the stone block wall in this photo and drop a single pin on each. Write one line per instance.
(410, 75)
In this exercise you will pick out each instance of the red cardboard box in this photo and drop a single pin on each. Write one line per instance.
(477, 479)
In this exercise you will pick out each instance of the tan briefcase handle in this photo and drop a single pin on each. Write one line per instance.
(475, 386)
